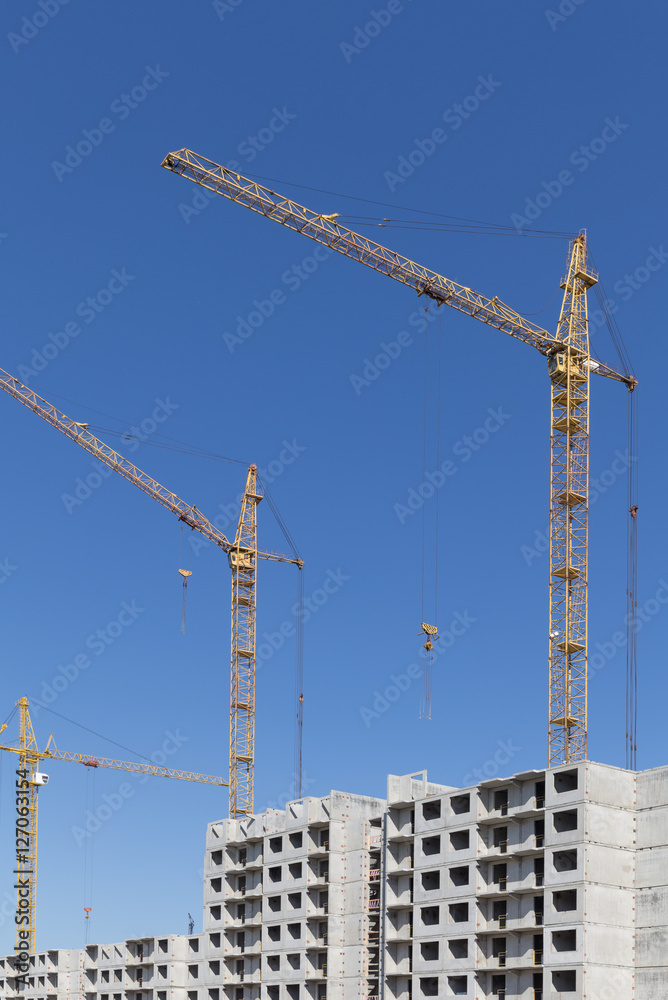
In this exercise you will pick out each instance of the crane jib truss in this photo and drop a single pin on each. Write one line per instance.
(242, 555)
(27, 791)
(569, 365)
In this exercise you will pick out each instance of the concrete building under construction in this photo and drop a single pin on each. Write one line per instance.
(544, 885)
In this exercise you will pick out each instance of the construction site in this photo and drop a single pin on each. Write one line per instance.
(542, 884)
(513, 854)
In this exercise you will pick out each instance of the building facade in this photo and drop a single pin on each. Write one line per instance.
(547, 885)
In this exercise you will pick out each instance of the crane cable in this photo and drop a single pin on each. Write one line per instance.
(472, 225)
(427, 663)
(430, 630)
(185, 573)
(631, 589)
(631, 737)
(107, 739)
(89, 798)
(299, 650)
(299, 690)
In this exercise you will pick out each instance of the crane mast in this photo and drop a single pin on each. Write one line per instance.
(569, 367)
(242, 674)
(569, 516)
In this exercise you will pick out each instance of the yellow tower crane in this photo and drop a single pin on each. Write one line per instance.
(569, 367)
(242, 555)
(29, 781)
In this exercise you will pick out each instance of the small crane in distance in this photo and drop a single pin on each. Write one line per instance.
(27, 799)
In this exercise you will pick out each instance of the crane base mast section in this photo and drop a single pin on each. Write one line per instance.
(243, 563)
(569, 369)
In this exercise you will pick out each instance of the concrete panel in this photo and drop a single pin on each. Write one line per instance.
(557, 833)
(652, 946)
(355, 865)
(608, 945)
(353, 930)
(652, 788)
(653, 827)
(609, 865)
(609, 984)
(563, 917)
(651, 984)
(610, 906)
(652, 907)
(652, 867)
(609, 826)
(610, 786)
(557, 796)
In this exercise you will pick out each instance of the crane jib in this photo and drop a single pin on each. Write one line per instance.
(325, 230)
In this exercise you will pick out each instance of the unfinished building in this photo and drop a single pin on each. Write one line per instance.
(544, 885)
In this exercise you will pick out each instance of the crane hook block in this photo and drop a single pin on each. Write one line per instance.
(185, 573)
(428, 630)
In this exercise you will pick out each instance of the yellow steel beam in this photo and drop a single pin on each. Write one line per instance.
(243, 560)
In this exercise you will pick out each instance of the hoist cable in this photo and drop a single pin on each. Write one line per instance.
(631, 589)
(631, 705)
(424, 460)
(438, 463)
(404, 208)
(299, 689)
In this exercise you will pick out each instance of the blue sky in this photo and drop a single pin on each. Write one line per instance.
(126, 299)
